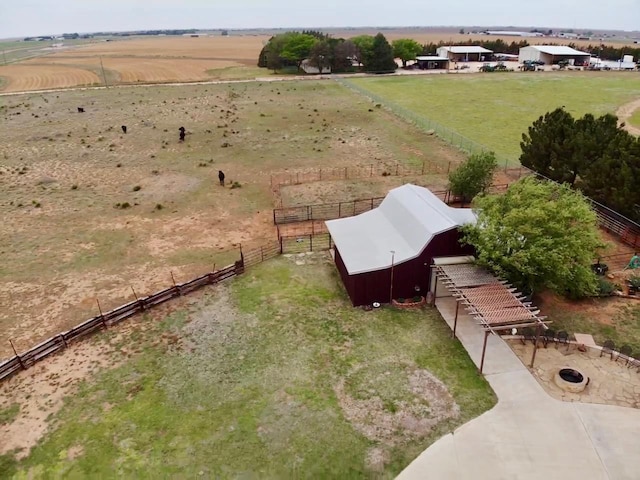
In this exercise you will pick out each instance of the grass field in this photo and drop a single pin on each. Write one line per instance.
(496, 109)
(275, 375)
(635, 119)
(63, 173)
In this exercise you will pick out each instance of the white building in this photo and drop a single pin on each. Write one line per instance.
(550, 54)
(464, 53)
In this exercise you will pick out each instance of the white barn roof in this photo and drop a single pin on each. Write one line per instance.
(433, 58)
(558, 50)
(405, 222)
(467, 49)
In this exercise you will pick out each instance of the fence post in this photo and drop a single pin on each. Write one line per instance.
(17, 356)
(274, 217)
(371, 174)
(174, 284)
(448, 167)
(297, 178)
(311, 243)
(345, 173)
(308, 212)
(261, 254)
(396, 169)
(340, 210)
(101, 315)
(281, 252)
(320, 174)
(371, 203)
(423, 162)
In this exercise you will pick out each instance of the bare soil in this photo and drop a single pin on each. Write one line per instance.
(624, 113)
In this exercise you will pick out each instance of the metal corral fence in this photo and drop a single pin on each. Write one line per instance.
(450, 136)
(331, 211)
(297, 177)
(306, 243)
(88, 327)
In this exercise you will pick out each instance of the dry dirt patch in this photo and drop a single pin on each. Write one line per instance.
(624, 113)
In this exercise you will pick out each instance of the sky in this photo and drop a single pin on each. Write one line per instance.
(20, 18)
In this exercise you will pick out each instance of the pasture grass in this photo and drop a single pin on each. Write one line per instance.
(496, 109)
(248, 130)
(250, 389)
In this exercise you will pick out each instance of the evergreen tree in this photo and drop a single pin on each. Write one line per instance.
(381, 58)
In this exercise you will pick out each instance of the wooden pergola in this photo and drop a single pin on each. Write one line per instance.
(492, 302)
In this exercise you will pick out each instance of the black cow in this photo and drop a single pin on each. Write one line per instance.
(221, 177)
(124, 128)
(80, 110)
(182, 134)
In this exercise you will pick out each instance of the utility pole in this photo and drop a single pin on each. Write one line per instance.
(104, 76)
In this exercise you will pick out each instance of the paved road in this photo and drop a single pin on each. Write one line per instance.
(528, 434)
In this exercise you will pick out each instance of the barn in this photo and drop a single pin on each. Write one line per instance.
(465, 53)
(552, 54)
(387, 252)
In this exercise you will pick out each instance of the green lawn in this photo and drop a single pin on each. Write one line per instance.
(635, 119)
(495, 109)
(275, 376)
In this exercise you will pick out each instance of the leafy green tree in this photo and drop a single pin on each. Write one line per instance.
(364, 48)
(298, 47)
(406, 49)
(381, 58)
(474, 176)
(344, 52)
(537, 234)
(321, 55)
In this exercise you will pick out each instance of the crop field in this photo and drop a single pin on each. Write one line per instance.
(273, 375)
(91, 214)
(148, 60)
(496, 109)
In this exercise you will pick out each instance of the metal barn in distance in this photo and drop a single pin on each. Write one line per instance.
(387, 252)
(552, 54)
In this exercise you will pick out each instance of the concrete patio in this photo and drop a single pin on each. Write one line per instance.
(528, 434)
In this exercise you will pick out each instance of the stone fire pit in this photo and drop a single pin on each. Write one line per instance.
(571, 380)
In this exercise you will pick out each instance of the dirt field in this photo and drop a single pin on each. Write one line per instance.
(158, 59)
(65, 242)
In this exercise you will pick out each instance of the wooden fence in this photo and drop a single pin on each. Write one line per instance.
(88, 327)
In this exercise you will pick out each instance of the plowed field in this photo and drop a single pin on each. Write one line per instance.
(38, 76)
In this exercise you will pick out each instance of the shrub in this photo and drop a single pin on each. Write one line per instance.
(417, 298)
(634, 282)
(123, 206)
(400, 300)
(74, 187)
(119, 165)
(159, 206)
(137, 188)
(236, 185)
(605, 287)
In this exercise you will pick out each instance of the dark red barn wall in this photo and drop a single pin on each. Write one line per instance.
(366, 288)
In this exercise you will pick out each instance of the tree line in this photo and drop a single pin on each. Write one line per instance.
(592, 154)
(326, 53)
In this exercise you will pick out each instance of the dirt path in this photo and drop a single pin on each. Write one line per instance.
(624, 112)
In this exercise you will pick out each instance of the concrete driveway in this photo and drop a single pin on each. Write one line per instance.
(528, 434)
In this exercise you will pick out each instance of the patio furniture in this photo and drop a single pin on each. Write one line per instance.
(562, 337)
(549, 335)
(608, 347)
(528, 333)
(624, 353)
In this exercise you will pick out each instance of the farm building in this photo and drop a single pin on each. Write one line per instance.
(550, 54)
(387, 252)
(431, 62)
(462, 53)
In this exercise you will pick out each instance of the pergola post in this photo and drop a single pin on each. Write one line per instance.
(484, 349)
(435, 290)
(535, 345)
(455, 320)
